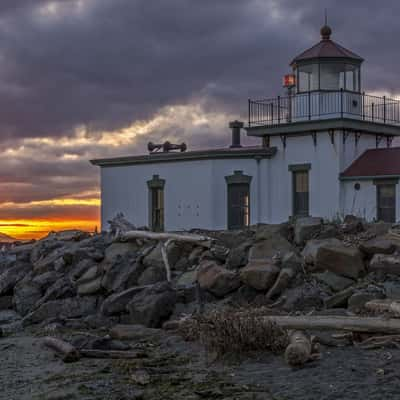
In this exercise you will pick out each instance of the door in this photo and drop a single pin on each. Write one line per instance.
(300, 193)
(386, 199)
(157, 209)
(238, 206)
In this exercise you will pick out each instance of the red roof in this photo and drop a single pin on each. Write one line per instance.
(375, 162)
(326, 48)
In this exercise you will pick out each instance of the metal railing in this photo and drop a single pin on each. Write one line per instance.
(324, 105)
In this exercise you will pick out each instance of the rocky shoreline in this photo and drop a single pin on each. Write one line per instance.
(83, 288)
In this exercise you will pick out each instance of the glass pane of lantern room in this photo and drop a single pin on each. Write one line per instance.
(332, 76)
(352, 80)
(308, 78)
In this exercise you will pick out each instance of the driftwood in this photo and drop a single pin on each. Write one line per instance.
(281, 283)
(334, 323)
(166, 239)
(67, 352)
(386, 305)
(298, 352)
(114, 354)
(375, 342)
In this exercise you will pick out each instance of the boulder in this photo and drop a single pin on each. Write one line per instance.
(335, 282)
(134, 332)
(238, 256)
(154, 257)
(292, 261)
(265, 231)
(64, 308)
(342, 260)
(306, 228)
(217, 280)
(303, 297)
(259, 275)
(380, 245)
(117, 250)
(116, 303)
(61, 289)
(47, 262)
(187, 279)
(12, 276)
(91, 274)
(78, 270)
(309, 252)
(392, 289)
(26, 294)
(339, 299)
(265, 250)
(90, 287)
(152, 275)
(124, 273)
(358, 300)
(8, 317)
(6, 303)
(386, 264)
(152, 306)
(46, 280)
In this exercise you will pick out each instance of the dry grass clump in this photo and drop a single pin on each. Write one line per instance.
(229, 331)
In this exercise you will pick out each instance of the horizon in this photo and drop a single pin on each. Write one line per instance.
(104, 81)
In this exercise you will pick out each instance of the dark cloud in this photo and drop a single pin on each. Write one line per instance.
(105, 65)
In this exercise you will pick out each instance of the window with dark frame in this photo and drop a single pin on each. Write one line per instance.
(301, 190)
(156, 203)
(238, 194)
(386, 202)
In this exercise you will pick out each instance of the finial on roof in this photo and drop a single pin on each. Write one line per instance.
(326, 30)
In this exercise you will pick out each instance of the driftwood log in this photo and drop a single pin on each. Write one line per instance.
(65, 350)
(386, 305)
(113, 354)
(335, 323)
(298, 352)
(166, 239)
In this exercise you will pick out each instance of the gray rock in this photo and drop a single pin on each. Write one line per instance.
(117, 250)
(217, 280)
(154, 257)
(386, 264)
(6, 303)
(336, 282)
(116, 303)
(310, 251)
(266, 231)
(26, 294)
(65, 308)
(339, 299)
(303, 297)
(61, 289)
(306, 228)
(46, 280)
(12, 276)
(345, 261)
(152, 275)
(152, 306)
(90, 287)
(78, 270)
(48, 261)
(123, 274)
(187, 279)
(238, 256)
(392, 289)
(8, 317)
(352, 225)
(357, 301)
(89, 275)
(379, 245)
(259, 275)
(292, 261)
(266, 249)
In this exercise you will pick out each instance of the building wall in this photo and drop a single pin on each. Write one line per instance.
(195, 192)
(323, 175)
(363, 202)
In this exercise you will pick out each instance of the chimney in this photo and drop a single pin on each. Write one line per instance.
(236, 126)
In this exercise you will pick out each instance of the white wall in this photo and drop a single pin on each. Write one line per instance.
(363, 202)
(323, 176)
(195, 192)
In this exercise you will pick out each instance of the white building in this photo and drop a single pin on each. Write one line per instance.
(325, 152)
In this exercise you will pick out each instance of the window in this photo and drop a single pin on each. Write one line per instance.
(308, 78)
(156, 203)
(238, 200)
(300, 176)
(386, 199)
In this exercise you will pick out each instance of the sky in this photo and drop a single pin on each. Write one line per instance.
(84, 79)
